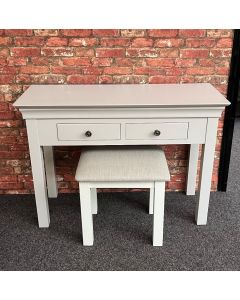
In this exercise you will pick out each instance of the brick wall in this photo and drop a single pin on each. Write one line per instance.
(100, 56)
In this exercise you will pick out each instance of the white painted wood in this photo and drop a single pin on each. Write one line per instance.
(94, 201)
(75, 132)
(151, 200)
(195, 132)
(206, 172)
(121, 95)
(38, 172)
(158, 213)
(50, 172)
(192, 169)
(168, 131)
(46, 105)
(103, 113)
(86, 214)
(88, 202)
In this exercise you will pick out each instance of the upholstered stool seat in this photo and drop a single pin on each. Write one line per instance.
(122, 167)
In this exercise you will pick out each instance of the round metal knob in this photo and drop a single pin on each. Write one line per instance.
(88, 133)
(156, 132)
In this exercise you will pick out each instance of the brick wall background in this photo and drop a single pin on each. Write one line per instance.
(100, 56)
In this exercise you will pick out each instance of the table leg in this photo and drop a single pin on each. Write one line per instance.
(192, 169)
(94, 203)
(206, 172)
(50, 172)
(38, 171)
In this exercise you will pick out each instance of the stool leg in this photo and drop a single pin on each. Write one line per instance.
(86, 214)
(158, 214)
(94, 201)
(151, 199)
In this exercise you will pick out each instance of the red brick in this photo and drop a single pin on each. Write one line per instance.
(28, 52)
(108, 52)
(47, 78)
(84, 42)
(105, 32)
(57, 41)
(8, 178)
(192, 32)
(18, 32)
(112, 42)
(5, 41)
(168, 43)
(163, 32)
(222, 70)
(148, 71)
(3, 61)
(76, 32)
(10, 123)
(8, 70)
(6, 79)
(7, 170)
(164, 79)
(125, 62)
(82, 79)
(171, 52)
(76, 61)
(4, 106)
(194, 53)
(25, 178)
(197, 43)
(142, 42)
(216, 33)
(84, 52)
(10, 185)
(160, 62)
(92, 71)
(132, 32)
(17, 61)
(206, 62)
(174, 71)
(65, 70)
(11, 154)
(4, 52)
(136, 52)
(34, 70)
(224, 43)
(185, 62)
(46, 32)
(105, 79)
(130, 79)
(6, 115)
(6, 140)
(220, 53)
(29, 41)
(61, 51)
(101, 61)
(200, 71)
(117, 70)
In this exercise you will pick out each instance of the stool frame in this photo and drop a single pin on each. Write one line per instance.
(88, 203)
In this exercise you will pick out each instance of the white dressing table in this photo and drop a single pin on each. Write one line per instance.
(59, 115)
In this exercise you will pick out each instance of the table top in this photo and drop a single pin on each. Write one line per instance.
(121, 95)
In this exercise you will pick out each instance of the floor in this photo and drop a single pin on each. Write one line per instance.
(123, 231)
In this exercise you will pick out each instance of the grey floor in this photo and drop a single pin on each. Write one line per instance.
(123, 231)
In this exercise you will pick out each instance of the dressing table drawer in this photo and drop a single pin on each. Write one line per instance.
(88, 132)
(157, 131)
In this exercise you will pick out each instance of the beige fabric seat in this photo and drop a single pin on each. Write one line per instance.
(122, 167)
(123, 164)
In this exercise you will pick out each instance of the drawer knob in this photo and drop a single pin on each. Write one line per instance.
(88, 133)
(156, 132)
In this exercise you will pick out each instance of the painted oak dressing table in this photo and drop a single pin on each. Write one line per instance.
(59, 115)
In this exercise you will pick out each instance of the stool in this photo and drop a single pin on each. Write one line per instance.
(122, 167)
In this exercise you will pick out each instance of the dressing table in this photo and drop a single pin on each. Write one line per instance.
(92, 115)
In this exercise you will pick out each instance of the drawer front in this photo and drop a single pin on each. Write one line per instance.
(88, 132)
(157, 131)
